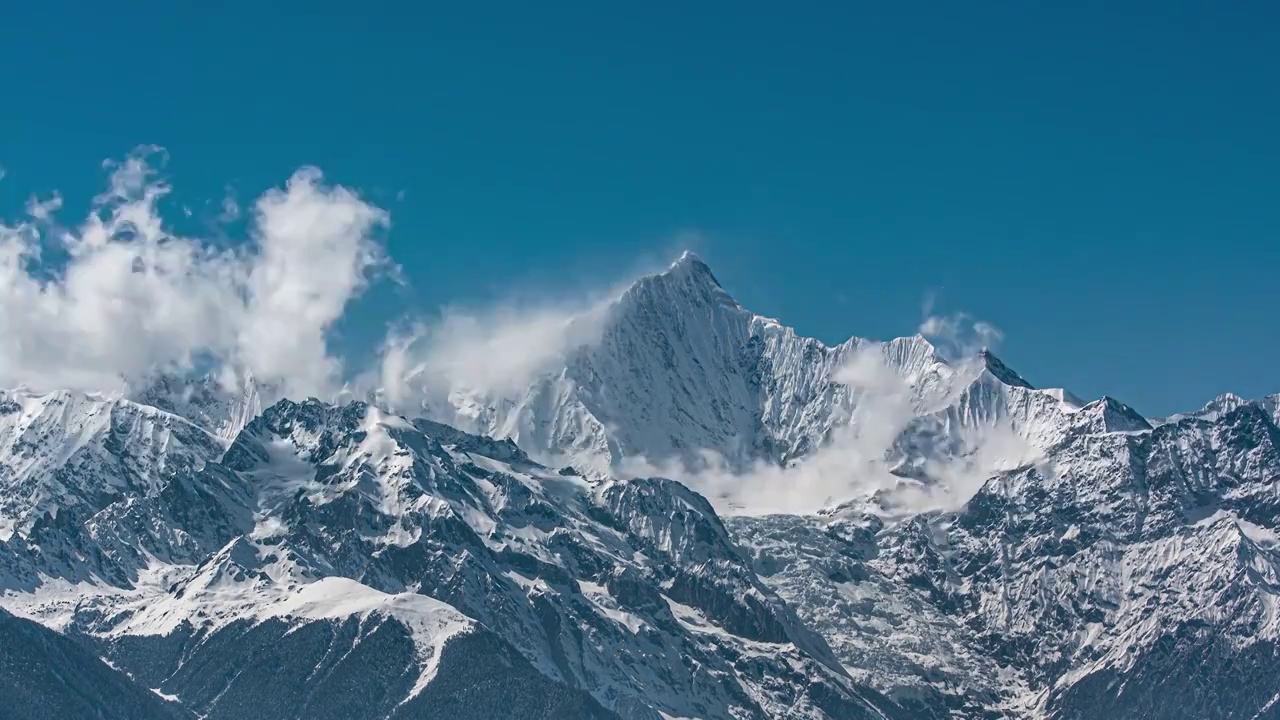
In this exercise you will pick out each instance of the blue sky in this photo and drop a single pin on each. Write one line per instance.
(1099, 181)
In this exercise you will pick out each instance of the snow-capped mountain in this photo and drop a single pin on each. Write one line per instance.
(229, 558)
(680, 369)
(64, 453)
(1134, 576)
(1225, 403)
(340, 561)
(221, 405)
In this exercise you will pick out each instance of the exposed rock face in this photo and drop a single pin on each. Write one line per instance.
(1132, 576)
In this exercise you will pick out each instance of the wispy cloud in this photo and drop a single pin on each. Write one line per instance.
(482, 351)
(492, 351)
(134, 297)
(124, 296)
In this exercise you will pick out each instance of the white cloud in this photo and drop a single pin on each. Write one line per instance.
(857, 461)
(121, 295)
(484, 352)
(490, 352)
(314, 255)
(133, 297)
(43, 210)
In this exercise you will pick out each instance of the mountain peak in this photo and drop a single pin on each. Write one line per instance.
(220, 405)
(1224, 403)
(692, 266)
(1000, 371)
(686, 280)
(688, 257)
(1115, 416)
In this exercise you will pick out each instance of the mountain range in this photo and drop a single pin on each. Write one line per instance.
(866, 530)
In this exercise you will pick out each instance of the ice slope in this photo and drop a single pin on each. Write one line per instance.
(678, 372)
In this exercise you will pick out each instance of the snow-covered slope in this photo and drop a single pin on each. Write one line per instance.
(64, 454)
(885, 632)
(223, 406)
(332, 545)
(1133, 574)
(1131, 577)
(680, 370)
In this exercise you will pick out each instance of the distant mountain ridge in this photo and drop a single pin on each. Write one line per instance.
(229, 555)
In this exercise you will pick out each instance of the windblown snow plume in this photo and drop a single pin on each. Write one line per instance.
(958, 336)
(493, 351)
(489, 351)
(121, 296)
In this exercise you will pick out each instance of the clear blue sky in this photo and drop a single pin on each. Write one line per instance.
(1102, 181)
